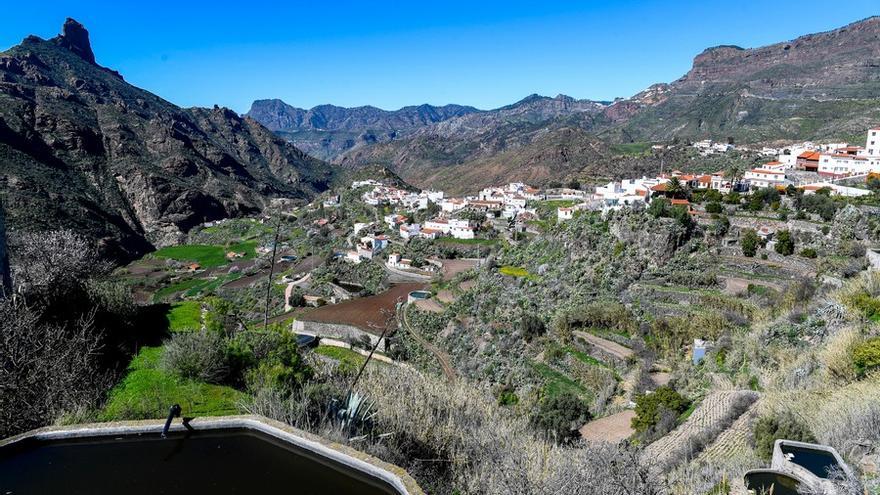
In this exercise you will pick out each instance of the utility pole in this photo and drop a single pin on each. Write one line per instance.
(271, 272)
(5, 276)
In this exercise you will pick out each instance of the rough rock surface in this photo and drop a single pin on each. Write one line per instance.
(82, 149)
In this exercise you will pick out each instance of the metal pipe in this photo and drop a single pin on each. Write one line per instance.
(172, 413)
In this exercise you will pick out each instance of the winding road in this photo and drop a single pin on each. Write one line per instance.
(441, 356)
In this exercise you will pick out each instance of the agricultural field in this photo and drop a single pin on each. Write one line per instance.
(367, 313)
(702, 425)
(207, 256)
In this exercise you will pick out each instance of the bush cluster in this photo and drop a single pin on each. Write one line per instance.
(785, 426)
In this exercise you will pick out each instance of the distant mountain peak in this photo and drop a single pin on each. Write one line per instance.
(75, 37)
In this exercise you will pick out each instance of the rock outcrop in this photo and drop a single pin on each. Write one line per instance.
(82, 149)
(75, 37)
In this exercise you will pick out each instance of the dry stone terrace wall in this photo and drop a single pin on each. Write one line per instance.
(714, 414)
(336, 330)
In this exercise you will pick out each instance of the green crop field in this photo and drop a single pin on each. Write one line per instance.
(204, 254)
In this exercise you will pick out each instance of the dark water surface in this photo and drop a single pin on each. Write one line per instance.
(207, 462)
(818, 462)
(781, 484)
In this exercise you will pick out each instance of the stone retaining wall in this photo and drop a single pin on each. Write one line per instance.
(338, 331)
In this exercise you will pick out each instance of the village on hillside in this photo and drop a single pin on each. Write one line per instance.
(608, 291)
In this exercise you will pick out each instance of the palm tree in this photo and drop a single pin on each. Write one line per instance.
(674, 187)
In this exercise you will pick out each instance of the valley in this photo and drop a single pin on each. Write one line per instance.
(674, 293)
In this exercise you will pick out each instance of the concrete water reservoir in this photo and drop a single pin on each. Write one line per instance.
(799, 466)
(220, 456)
(417, 295)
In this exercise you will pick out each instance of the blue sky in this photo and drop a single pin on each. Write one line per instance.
(390, 54)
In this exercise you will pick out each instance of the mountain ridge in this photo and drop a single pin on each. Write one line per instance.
(83, 149)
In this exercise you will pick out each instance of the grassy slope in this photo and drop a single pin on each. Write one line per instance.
(148, 391)
(184, 316)
(206, 255)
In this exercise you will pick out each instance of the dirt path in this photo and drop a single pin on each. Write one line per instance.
(800, 268)
(606, 345)
(737, 285)
(441, 356)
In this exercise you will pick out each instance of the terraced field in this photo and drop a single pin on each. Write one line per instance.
(733, 442)
(714, 414)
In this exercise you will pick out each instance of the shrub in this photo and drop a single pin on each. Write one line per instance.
(784, 243)
(866, 356)
(282, 368)
(713, 207)
(197, 355)
(809, 253)
(532, 326)
(650, 408)
(749, 243)
(561, 415)
(866, 305)
(786, 426)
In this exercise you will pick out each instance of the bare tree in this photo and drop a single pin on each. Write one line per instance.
(46, 370)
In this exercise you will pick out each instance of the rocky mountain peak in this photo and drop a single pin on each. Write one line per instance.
(75, 37)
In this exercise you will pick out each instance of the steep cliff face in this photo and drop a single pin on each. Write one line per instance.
(817, 86)
(83, 149)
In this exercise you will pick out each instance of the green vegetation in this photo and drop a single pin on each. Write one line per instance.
(148, 391)
(348, 359)
(809, 253)
(177, 287)
(561, 415)
(584, 357)
(556, 383)
(768, 429)
(784, 243)
(472, 242)
(650, 408)
(631, 149)
(866, 356)
(186, 315)
(208, 256)
(867, 306)
(515, 271)
(749, 243)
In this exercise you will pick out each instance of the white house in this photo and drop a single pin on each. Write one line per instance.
(761, 177)
(841, 164)
(450, 205)
(409, 231)
(352, 257)
(564, 213)
(394, 220)
(846, 191)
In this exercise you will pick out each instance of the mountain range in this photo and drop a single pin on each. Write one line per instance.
(818, 86)
(83, 149)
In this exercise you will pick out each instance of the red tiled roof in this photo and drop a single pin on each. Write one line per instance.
(810, 155)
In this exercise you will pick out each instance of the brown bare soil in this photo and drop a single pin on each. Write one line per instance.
(430, 305)
(367, 313)
(606, 345)
(452, 268)
(446, 296)
(614, 428)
